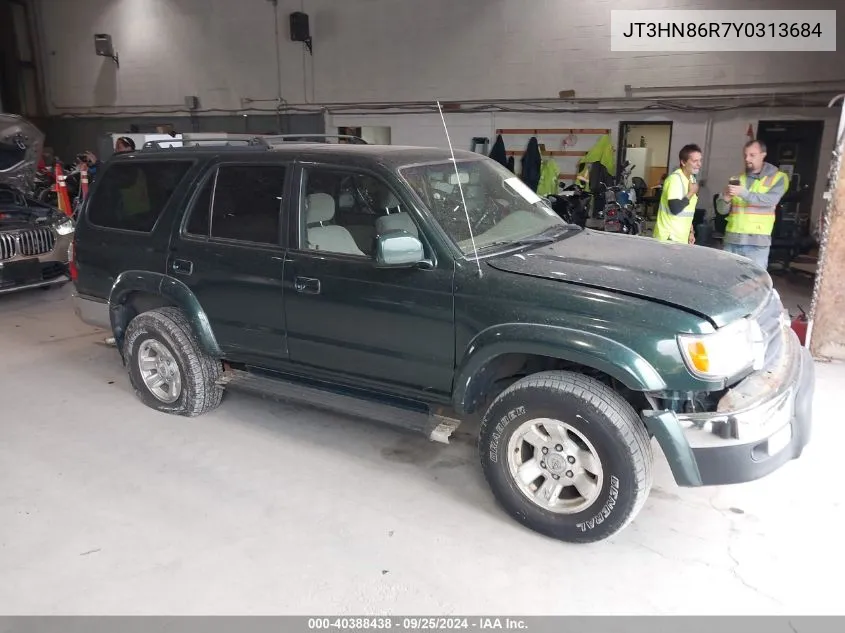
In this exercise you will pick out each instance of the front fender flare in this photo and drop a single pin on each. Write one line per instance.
(160, 285)
(577, 346)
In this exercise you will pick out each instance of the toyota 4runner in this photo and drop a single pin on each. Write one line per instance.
(400, 285)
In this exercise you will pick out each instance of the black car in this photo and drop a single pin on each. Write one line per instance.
(397, 284)
(34, 236)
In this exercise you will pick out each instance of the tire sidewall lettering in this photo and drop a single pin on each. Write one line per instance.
(607, 508)
(499, 430)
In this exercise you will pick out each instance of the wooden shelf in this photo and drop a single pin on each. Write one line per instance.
(520, 152)
(560, 130)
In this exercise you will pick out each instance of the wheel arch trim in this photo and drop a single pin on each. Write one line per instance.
(669, 435)
(577, 346)
(161, 285)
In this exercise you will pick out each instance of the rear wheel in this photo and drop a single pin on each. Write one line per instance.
(566, 456)
(167, 367)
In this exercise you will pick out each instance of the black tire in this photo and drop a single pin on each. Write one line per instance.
(199, 371)
(607, 421)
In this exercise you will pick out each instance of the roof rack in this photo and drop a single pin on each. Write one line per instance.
(226, 141)
(306, 138)
(257, 141)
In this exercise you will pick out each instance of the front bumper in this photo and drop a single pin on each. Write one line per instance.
(767, 424)
(34, 273)
(22, 272)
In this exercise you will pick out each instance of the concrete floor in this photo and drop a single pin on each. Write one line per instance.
(107, 507)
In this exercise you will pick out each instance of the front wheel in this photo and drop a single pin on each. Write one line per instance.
(566, 456)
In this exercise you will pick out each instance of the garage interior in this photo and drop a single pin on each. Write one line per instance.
(262, 507)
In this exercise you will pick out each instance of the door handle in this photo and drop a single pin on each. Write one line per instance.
(182, 266)
(306, 285)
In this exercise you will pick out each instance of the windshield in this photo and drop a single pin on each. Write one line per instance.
(501, 208)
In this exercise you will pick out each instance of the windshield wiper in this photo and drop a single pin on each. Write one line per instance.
(540, 238)
(546, 236)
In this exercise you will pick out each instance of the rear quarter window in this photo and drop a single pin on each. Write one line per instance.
(132, 196)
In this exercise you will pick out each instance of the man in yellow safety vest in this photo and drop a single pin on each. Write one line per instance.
(678, 199)
(751, 200)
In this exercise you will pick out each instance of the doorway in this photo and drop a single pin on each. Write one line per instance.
(645, 144)
(794, 147)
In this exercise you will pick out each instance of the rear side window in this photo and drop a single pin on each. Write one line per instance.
(240, 202)
(132, 196)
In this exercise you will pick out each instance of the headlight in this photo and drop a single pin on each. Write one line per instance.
(65, 227)
(721, 354)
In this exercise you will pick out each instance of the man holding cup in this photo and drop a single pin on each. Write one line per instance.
(678, 199)
(750, 201)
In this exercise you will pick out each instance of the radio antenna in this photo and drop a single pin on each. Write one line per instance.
(461, 189)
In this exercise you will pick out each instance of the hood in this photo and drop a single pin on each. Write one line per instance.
(21, 144)
(28, 218)
(18, 212)
(718, 286)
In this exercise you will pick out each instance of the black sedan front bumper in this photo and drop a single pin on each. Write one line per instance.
(23, 274)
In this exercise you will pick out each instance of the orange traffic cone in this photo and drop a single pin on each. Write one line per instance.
(61, 191)
(83, 180)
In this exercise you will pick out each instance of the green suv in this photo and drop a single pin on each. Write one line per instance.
(400, 285)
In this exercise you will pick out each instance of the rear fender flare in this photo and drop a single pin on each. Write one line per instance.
(161, 285)
(577, 346)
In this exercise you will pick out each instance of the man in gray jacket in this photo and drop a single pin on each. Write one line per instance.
(750, 201)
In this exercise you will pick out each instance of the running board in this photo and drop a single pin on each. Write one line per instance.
(436, 427)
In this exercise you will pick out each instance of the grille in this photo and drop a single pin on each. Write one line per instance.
(26, 243)
(36, 242)
(8, 246)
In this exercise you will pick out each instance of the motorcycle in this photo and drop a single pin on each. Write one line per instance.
(620, 208)
(571, 203)
(623, 219)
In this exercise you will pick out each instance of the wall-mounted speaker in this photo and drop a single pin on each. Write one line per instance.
(104, 48)
(103, 44)
(300, 29)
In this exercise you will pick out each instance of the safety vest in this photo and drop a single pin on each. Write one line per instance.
(674, 228)
(751, 219)
(549, 172)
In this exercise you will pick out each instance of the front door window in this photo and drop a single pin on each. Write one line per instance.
(343, 211)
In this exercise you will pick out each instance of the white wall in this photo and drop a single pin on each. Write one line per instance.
(224, 51)
(403, 50)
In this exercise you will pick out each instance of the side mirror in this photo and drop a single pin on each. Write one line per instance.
(399, 248)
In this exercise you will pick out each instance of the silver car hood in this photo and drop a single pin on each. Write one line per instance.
(21, 144)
